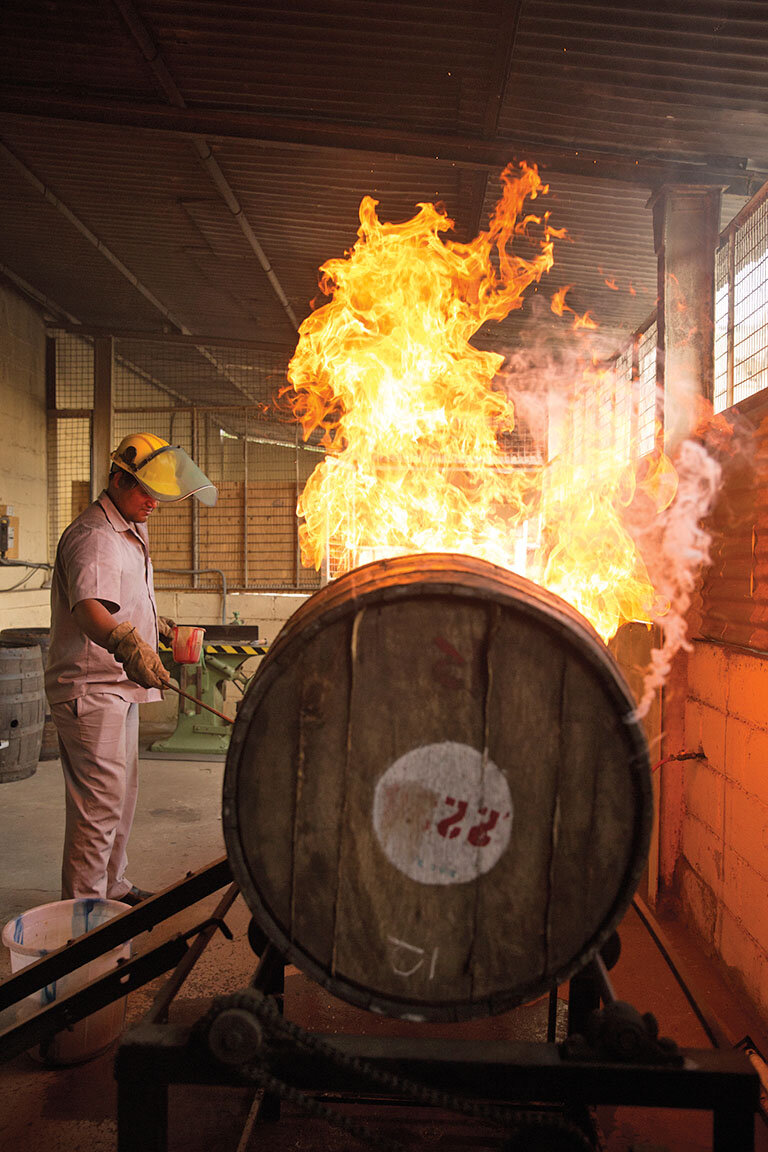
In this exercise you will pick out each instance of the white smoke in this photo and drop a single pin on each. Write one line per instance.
(673, 543)
(675, 550)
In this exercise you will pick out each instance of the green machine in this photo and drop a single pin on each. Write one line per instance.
(225, 649)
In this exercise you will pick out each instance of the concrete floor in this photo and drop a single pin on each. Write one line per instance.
(177, 829)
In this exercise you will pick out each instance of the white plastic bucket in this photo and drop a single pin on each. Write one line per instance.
(44, 929)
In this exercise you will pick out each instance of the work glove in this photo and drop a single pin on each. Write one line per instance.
(165, 627)
(141, 663)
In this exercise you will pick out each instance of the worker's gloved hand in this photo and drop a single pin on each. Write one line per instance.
(165, 627)
(141, 663)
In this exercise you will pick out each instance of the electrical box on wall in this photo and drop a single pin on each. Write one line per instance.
(9, 533)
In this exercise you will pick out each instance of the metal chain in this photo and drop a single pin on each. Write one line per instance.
(265, 1008)
(310, 1106)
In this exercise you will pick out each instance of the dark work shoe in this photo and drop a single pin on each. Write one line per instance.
(135, 896)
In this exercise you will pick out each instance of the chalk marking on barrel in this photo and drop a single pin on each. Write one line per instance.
(421, 954)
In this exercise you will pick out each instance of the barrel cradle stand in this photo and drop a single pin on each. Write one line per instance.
(437, 805)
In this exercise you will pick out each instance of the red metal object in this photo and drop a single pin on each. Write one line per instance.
(187, 643)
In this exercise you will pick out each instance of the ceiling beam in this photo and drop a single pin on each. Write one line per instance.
(35, 181)
(501, 63)
(151, 52)
(145, 334)
(647, 169)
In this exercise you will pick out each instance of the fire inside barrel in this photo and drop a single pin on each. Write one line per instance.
(437, 797)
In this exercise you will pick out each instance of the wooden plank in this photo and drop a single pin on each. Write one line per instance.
(596, 815)
(527, 669)
(80, 497)
(170, 536)
(264, 799)
(321, 718)
(418, 681)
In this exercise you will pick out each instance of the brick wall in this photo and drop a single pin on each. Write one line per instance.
(722, 868)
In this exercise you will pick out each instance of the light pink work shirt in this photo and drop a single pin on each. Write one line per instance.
(101, 556)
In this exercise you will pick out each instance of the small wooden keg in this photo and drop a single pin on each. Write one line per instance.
(50, 747)
(437, 797)
(22, 709)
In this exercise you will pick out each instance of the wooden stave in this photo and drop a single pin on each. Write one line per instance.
(454, 577)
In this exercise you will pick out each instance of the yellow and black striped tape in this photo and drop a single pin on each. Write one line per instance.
(249, 649)
(233, 649)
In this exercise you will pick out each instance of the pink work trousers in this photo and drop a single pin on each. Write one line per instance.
(99, 744)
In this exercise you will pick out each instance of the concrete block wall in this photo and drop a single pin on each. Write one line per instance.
(722, 869)
(23, 468)
(25, 609)
(267, 611)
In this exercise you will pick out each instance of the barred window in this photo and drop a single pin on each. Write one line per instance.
(221, 405)
(741, 309)
(646, 389)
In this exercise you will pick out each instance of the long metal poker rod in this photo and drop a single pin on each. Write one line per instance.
(195, 700)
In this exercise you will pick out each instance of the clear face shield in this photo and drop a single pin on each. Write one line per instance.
(169, 474)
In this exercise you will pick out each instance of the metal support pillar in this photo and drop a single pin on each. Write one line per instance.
(686, 228)
(144, 1126)
(101, 422)
(686, 223)
(583, 1000)
(53, 440)
(270, 978)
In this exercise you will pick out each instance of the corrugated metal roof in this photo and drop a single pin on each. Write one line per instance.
(671, 82)
(423, 64)
(75, 45)
(680, 79)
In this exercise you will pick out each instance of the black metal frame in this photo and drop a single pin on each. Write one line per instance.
(130, 974)
(153, 1057)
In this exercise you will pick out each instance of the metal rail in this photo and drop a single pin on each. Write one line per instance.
(713, 1028)
(115, 932)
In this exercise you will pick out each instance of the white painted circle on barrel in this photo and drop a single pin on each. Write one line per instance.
(442, 814)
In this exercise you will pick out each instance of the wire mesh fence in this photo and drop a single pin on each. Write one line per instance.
(69, 472)
(222, 405)
(723, 374)
(69, 436)
(647, 404)
(750, 317)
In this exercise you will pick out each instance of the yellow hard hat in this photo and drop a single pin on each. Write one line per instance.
(133, 450)
(164, 470)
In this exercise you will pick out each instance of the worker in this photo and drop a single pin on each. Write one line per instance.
(103, 659)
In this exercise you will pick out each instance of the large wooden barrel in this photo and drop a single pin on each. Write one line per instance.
(49, 750)
(22, 709)
(437, 797)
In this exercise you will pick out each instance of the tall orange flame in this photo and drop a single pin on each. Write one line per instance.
(415, 419)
